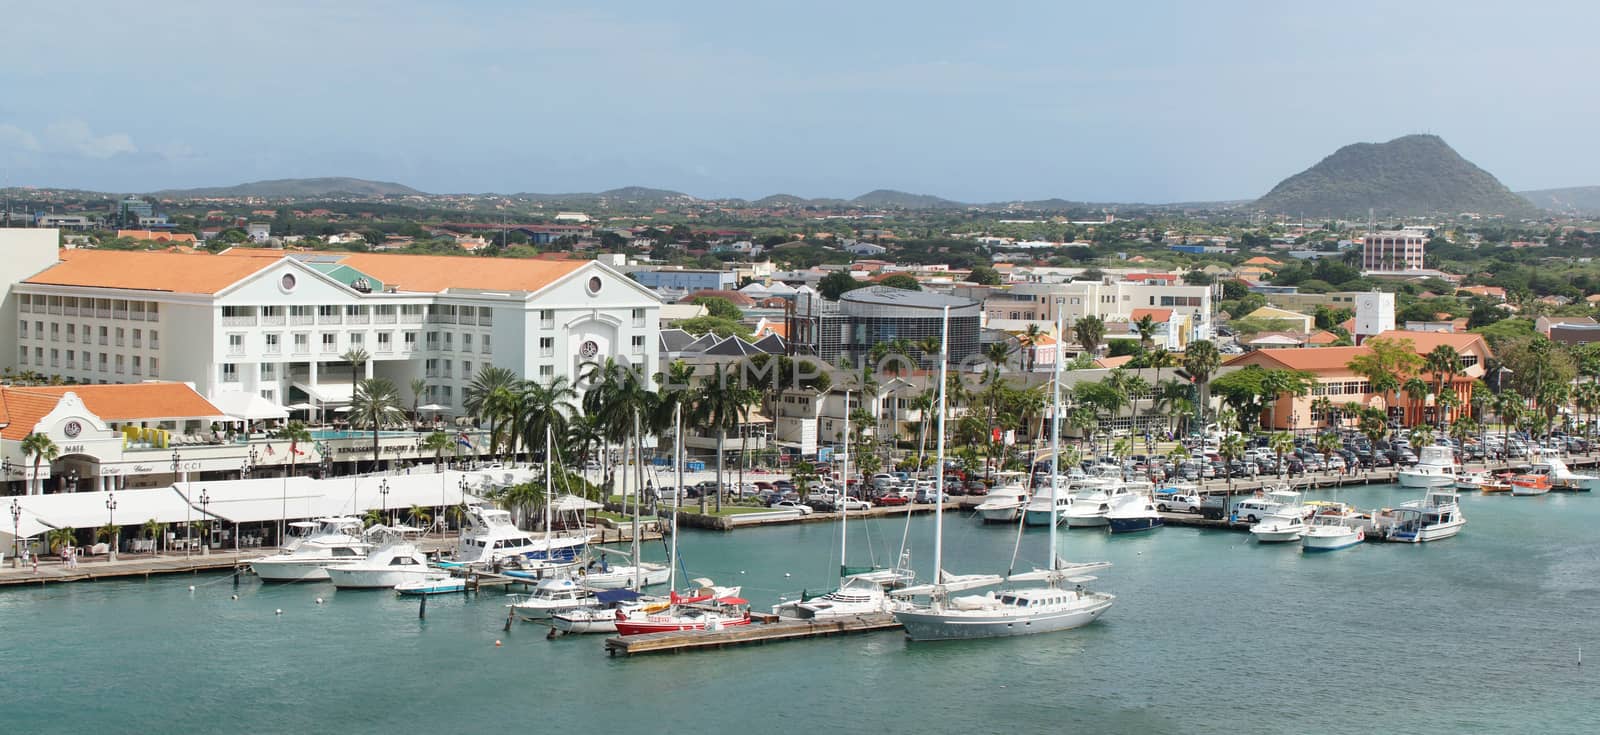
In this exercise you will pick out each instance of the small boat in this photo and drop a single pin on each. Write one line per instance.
(602, 616)
(1499, 484)
(1561, 478)
(1279, 528)
(551, 596)
(1330, 531)
(1437, 516)
(858, 594)
(437, 583)
(1005, 500)
(722, 612)
(395, 560)
(1039, 511)
(1528, 485)
(1435, 468)
(1133, 513)
(334, 542)
(1093, 501)
(1469, 481)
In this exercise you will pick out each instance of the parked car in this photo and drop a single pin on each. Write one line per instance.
(798, 506)
(928, 495)
(974, 487)
(894, 498)
(1177, 503)
(849, 504)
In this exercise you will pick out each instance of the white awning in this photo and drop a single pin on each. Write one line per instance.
(248, 406)
(27, 526)
(272, 498)
(329, 392)
(574, 504)
(88, 510)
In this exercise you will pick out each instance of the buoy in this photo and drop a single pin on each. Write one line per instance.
(786, 574)
(319, 600)
(191, 588)
(741, 571)
(235, 597)
(497, 644)
(278, 611)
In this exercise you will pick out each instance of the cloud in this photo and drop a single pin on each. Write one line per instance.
(74, 136)
(13, 137)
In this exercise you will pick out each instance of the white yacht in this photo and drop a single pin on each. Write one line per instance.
(1468, 481)
(1331, 530)
(1005, 500)
(551, 596)
(394, 561)
(492, 537)
(1090, 505)
(1279, 528)
(602, 616)
(1437, 516)
(1056, 606)
(436, 583)
(1435, 468)
(625, 576)
(1041, 511)
(1130, 513)
(858, 594)
(1561, 478)
(333, 542)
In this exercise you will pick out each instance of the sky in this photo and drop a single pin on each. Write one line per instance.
(993, 101)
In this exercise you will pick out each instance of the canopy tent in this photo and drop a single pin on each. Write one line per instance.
(249, 406)
(272, 498)
(26, 526)
(88, 510)
(574, 504)
(329, 392)
(299, 407)
(431, 407)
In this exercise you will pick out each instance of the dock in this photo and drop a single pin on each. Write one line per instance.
(745, 635)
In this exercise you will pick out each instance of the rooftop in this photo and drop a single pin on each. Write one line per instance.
(888, 295)
(24, 406)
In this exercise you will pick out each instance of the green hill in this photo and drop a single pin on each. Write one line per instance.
(891, 199)
(1410, 176)
(1578, 200)
(296, 189)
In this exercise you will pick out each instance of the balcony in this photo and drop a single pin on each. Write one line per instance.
(385, 348)
(273, 349)
(381, 318)
(410, 318)
(239, 321)
(358, 319)
(441, 318)
(330, 319)
(53, 309)
(121, 314)
(485, 320)
(328, 349)
(25, 307)
(302, 319)
(302, 349)
(272, 320)
(235, 350)
(69, 310)
(104, 313)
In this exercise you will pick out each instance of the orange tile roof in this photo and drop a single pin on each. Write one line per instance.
(1261, 260)
(244, 252)
(24, 406)
(434, 273)
(1161, 316)
(1323, 337)
(1426, 341)
(148, 271)
(156, 236)
(1113, 362)
(1321, 359)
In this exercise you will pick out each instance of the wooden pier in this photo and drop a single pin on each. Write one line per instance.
(744, 635)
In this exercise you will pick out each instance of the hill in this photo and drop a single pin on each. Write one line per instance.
(891, 199)
(1579, 200)
(296, 189)
(1408, 176)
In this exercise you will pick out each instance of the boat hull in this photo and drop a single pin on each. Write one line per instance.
(1528, 491)
(1037, 517)
(581, 622)
(646, 627)
(293, 571)
(929, 625)
(374, 578)
(1277, 537)
(542, 611)
(999, 515)
(1319, 542)
(1133, 525)
(1418, 480)
(431, 586)
(1436, 532)
(1086, 521)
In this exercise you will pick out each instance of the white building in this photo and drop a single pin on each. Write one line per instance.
(1374, 314)
(274, 325)
(1191, 306)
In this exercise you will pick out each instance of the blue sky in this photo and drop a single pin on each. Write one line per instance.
(1144, 101)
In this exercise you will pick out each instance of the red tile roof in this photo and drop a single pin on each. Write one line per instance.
(24, 406)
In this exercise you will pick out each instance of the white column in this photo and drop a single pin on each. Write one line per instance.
(368, 365)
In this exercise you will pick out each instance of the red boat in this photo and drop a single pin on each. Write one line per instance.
(726, 612)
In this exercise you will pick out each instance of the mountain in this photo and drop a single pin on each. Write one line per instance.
(626, 194)
(1580, 200)
(1407, 176)
(296, 189)
(891, 199)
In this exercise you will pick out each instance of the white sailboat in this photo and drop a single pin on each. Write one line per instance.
(861, 591)
(1022, 611)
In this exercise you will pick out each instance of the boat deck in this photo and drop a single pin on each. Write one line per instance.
(700, 640)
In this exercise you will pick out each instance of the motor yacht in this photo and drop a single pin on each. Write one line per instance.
(1435, 468)
(1041, 512)
(335, 541)
(601, 617)
(1005, 500)
(1331, 530)
(1561, 478)
(551, 596)
(1131, 513)
(491, 537)
(1090, 504)
(435, 583)
(1279, 528)
(394, 560)
(1437, 516)
(1469, 481)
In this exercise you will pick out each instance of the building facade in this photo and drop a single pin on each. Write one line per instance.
(1112, 302)
(850, 327)
(1392, 251)
(276, 325)
(685, 280)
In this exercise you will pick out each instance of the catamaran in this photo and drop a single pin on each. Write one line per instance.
(1021, 611)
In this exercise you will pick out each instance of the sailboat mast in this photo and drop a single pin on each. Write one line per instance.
(938, 484)
(549, 490)
(638, 497)
(844, 514)
(677, 497)
(1055, 437)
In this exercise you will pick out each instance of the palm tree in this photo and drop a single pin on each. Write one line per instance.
(1146, 327)
(929, 347)
(1201, 360)
(419, 386)
(620, 398)
(1444, 363)
(924, 403)
(1416, 389)
(1421, 436)
(543, 407)
(376, 404)
(1090, 330)
(1384, 364)
(1030, 339)
(437, 442)
(1232, 447)
(60, 537)
(356, 357)
(998, 352)
(42, 449)
(1327, 444)
(419, 516)
(490, 397)
(1281, 443)
(153, 529)
(1323, 405)
(721, 402)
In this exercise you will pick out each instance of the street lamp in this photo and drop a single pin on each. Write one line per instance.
(16, 533)
(205, 499)
(111, 512)
(249, 465)
(383, 489)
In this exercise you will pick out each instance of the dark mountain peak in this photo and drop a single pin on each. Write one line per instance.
(326, 186)
(903, 200)
(1410, 175)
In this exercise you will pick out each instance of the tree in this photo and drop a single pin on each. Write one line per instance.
(437, 442)
(419, 386)
(1327, 444)
(491, 397)
(1249, 390)
(542, 408)
(714, 325)
(1146, 327)
(1201, 360)
(901, 281)
(355, 357)
(1089, 331)
(1281, 443)
(376, 404)
(720, 405)
(152, 529)
(1231, 448)
(837, 283)
(42, 449)
(719, 307)
(1386, 363)
(984, 275)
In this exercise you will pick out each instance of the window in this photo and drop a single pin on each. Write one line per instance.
(466, 343)
(466, 368)
(55, 331)
(230, 372)
(410, 340)
(22, 328)
(638, 317)
(38, 328)
(55, 359)
(269, 371)
(430, 368)
(326, 310)
(449, 342)
(103, 360)
(119, 365)
(105, 336)
(121, 335)
(547, 346)
(302, 342)
(638, 344)
(274, 343)
(236, 344)
(155, 339)
(357, 339)
(22, 355)
(330, 342)
(1468, 361)
(385, 341)
(138, 336)
(71, 361)
(449, 368)
(546, 371)
(137, 368)
(485, 344)
(433, 340)
(547, 319)
(155, 367)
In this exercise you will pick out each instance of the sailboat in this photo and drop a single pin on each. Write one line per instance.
(860, 591)
(1020, 611)
(635, 575)
(552, 594)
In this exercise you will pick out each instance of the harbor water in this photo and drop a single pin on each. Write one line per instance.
(1211, 633)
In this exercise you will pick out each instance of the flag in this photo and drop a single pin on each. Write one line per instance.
(294, 447)
(462, 440)
(269, 451)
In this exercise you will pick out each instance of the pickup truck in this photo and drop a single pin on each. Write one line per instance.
(1178, 502)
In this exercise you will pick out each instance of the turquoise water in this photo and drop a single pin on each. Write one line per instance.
(1211, 634)
(325, 434)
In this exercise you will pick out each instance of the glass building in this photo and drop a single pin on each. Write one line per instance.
(850, 327)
